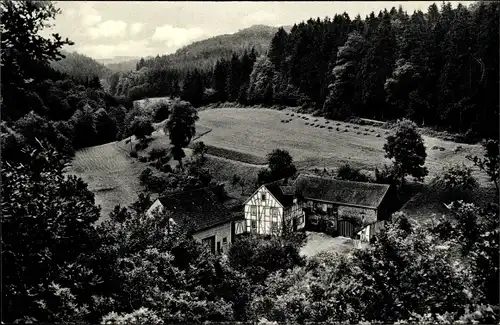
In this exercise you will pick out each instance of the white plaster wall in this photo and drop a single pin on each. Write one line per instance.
(221, 231)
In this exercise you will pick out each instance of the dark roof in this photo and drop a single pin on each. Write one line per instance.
(282, 191)
(341, 192)
(197, 207)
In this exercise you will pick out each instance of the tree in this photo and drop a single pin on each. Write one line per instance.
(348, 173)
(406, 148)
(456, 182)
(181, 128)
(53, 216)
(23, 50)
(260, 81)
(490, 164)
(280, 164)
(237, 180)
(141, 127)
(343, 98)
(105, 126)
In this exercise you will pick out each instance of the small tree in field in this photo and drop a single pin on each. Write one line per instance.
(237, 180)
(281, 164)
(141, 127)
(406, 148)
(490, 163)
(181, 128)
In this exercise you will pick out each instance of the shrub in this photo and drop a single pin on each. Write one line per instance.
(133, 154)
(348, 173)
(143, 159)
(456, 182)
(141, 146)
(157, 153)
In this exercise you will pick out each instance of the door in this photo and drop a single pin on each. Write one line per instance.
(210, 242)
(294, 224)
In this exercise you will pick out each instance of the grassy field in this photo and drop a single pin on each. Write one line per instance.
(238, 141)
(110, 173)
(320, 143)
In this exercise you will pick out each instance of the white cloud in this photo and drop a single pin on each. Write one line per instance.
(175, 37)
(261, 17)
(89, 16)
(126, 48)
(136, 28)
(108, 28)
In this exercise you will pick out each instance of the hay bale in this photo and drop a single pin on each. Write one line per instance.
(322, 127)
(346, 130)
(355, 127)
(307, 123)
(338, 124)
(282, 121)
(347, 126)
(337, 129)
(372, 130)
(378, 135)
(366, 129)
(365, 133)
(292, 114)
(330, 127)
(358, 132)
(327, 122)
(316, 120)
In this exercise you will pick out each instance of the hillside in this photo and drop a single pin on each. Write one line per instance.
(203, 54)
(80, 66)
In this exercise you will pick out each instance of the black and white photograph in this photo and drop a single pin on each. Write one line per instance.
(239, 162)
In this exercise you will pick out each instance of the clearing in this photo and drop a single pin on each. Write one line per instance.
(256, 132)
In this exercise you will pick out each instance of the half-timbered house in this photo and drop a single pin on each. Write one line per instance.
(270, 208)
(200, 213)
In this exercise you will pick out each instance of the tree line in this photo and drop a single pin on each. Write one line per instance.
(439, 68)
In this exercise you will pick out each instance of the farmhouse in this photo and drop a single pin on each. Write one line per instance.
(202, 214)
(311, 202)
(270, 206)
(345, 205)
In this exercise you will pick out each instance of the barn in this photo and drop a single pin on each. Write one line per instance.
(202, 214)
(346, 205)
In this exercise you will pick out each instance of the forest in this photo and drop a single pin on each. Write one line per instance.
(438, 68)
(60, 266)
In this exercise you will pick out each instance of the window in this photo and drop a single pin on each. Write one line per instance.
(274, 213)
(219, 249)
(224, 240)
(253, 225)
(329, 210)
(263, 196)
(253, 210)
(274, 225)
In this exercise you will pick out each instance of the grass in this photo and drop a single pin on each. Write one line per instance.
(234, 155)
(110, 173)
(258, 131)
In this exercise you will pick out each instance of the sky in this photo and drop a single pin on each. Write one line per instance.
(131, 28)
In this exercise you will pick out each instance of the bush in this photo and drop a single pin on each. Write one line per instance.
(133, 154)
(141, 146)
(456, 183)
(387, 175)
(143, 159)
(348, 173)
(157, 153)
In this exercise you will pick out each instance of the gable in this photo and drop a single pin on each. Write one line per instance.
(257, 197)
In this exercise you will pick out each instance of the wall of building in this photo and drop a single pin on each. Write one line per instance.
(220, 232)
(298, 214)
(156, 205)
(365, 215)
(258, 212)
